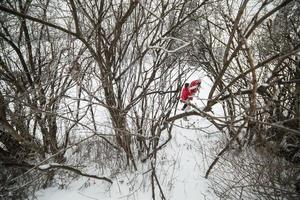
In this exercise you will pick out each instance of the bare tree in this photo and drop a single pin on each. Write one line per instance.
(34, 79)
(117, 54)
(227, 48)
(118, 44)
(127, 57)
(252, 54)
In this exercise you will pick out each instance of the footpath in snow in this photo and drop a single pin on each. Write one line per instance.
(181, 167)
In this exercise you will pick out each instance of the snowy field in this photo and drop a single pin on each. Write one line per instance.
(181, 167)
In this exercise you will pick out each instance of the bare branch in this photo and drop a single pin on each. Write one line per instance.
(50, 166)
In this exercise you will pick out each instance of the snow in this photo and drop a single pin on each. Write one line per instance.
(44, 167)
(49, 165)
(265, 85)
(180, 167)
(3, 146)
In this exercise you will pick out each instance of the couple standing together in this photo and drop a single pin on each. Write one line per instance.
(188, 91)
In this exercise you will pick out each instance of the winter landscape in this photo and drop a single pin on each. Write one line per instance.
(148, 100)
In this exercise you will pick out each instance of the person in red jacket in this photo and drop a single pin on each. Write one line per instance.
(186, 96)
(195, 86)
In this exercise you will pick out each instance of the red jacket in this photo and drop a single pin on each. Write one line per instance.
(194, 86)
(186, 94)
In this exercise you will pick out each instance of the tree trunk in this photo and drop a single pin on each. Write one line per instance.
(123, 136)
(297, 93)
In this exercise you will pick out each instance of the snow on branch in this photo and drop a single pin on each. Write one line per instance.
(198, 112)
(50, 166)
(37, 166)
(185, 44)
(173, 38)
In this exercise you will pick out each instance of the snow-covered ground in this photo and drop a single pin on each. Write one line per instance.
(180, 168)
